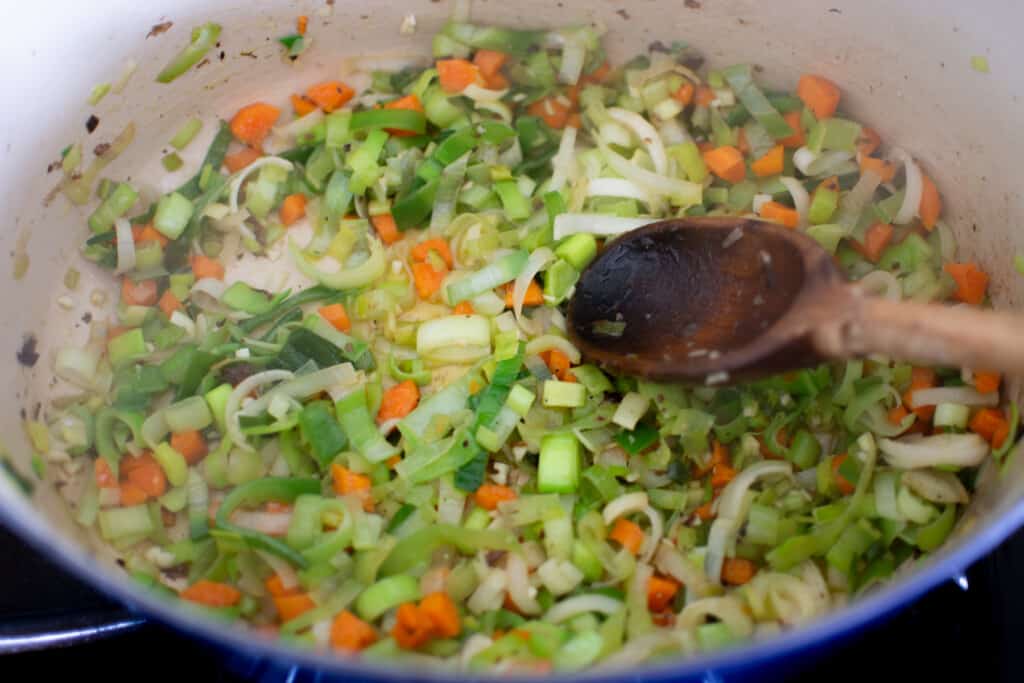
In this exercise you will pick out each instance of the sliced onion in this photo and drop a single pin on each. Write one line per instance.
(125, 246)
(966, 396)
(759, 201)
(236, 182)
(478, 94)
(881, 283)
(625, 504)
(537, 261)
(672, 132)
(670, 561)
(936, 486)
(912, 190)
(519, 584)
(732, 510)
(561, 163)
(726, 609)
(270, 523)
(647, 135)
(582, 604)
(637, 651)
(284, 570)
(551, 341)
(829, 163)
(801, 200)
(179, 319)
(489, 594)
(496, 107)
(852, 205)
(652, 182)
(802, 160)
(244, 388)
(616, 187)
(336, 380)
(958, 450)
(596, 224)
(574, 54)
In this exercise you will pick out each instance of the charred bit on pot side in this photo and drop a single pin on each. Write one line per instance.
(157, 29)
(92, 122)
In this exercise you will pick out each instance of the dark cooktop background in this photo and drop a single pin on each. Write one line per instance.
(950, 634)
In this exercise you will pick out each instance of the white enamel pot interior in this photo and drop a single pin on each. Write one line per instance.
(904, 69)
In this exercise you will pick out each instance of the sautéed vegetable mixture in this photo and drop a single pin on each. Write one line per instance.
(404, 458)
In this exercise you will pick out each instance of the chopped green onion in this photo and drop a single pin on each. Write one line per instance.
(203, 38)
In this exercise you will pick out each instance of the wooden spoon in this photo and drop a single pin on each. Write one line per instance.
(716, 300)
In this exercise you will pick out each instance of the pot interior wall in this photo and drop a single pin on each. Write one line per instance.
(904, 68)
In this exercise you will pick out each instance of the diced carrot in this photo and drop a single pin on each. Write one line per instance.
(464, 308)
(721, 475)
(293, 208)
(145, 472)
(386, 228)
(346, 482)
(726, 162)
(719, 456)
(275, 586)
(212, 594)
(598, 75)
(896, 414)
(455, 75)
(573, 93)
(819, 94)
(1001, 434)
(830, 183)
(337, 316)
(705, 96)
(931, 203)
(842, 483)
(987, 422)
(876, 239)
(190, 444)
(236, 161)
(302, 105)
(412, 627)
(883, 169)
(169, 303)
(147, 233)
(105, 478)
(629, 535)
(421, 250)
(742, 144)
(440, 610)
(204, 266)
(971, 282)
(704, 512)
(398, 401)
(330, 95)
(920, 378)
(489, 495)
(301, 24)
(393, 461)
(661, 591)
(552, 110)
(410, 102)
(349, 633)
(868, 141)
(427, 280)
(737, 571)
(534, 295)
(489, 62)
(986, 382)
(291, 606)
(558, 363)
(685, 93)
(797, 139)
(131, 494)
(497, 81)
(253, 122)
(780, 213)
(140, 293)
(770, 164)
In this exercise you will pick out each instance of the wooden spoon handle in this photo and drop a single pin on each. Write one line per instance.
(932, 334)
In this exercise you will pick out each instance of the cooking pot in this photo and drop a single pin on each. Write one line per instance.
(905, 68)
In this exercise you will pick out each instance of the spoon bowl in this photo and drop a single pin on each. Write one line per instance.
(716, 300)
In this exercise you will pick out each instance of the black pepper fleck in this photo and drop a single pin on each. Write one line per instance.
(623, 13)
(27, 354)
(693, 4)
(92, 122)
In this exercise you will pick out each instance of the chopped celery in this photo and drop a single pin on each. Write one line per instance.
(558, 468)
(563, 394)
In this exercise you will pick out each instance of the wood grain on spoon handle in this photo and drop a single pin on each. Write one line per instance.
(932, 334)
